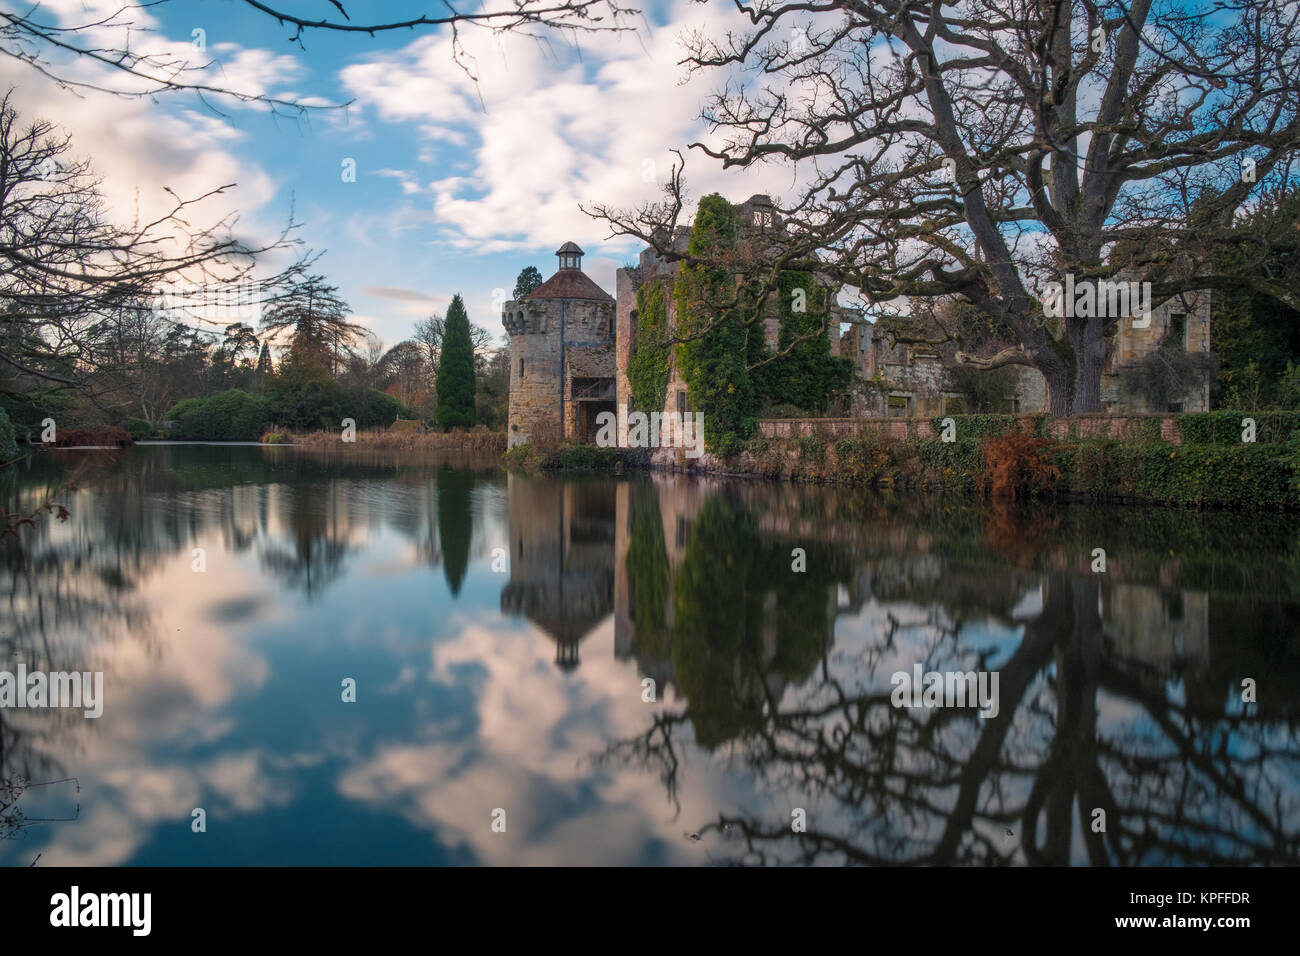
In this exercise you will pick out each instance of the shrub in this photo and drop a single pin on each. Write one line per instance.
(812, 447)
(572, 458)
(950, 463)
(305, 404)
(232, 415)
(8, 442)
(139, 429)
(274, 438)
(1188, 475)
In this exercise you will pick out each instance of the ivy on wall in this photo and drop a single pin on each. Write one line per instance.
(728, 368)
(802, 371)
(712, 360)
(647, 366)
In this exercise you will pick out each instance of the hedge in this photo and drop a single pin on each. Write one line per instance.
(1218, 475)
(1225, 428)
(1241, 475)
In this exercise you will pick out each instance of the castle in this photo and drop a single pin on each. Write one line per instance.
(570, 340)
(562, 370)
(570, 343)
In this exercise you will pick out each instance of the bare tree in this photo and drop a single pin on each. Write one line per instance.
(78, 290)
(985, 148)
(110, 53)
(428, 336)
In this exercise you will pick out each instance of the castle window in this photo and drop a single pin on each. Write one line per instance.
(681, 400)
(521, 368)
(1178, 329)
(762, 218)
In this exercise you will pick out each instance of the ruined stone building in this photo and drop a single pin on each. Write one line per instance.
(570, 341)
(905, 381)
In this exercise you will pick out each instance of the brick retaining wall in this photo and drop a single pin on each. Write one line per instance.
(1081, 426)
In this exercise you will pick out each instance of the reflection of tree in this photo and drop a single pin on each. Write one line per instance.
(647, 574)
(67, 588)
(745, 625)
(1183, 775)
(455, 523)
(315, 557)
(14, 819)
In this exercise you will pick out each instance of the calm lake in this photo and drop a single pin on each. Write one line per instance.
(638, 670)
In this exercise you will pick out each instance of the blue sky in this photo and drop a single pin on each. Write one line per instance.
(458, 185)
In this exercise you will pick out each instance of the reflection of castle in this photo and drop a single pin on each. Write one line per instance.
(561, 561)
(1156, 627)
(647, 605)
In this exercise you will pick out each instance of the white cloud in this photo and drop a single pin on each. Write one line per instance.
(549, 131)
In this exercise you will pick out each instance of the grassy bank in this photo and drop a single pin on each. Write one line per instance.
(474, 439)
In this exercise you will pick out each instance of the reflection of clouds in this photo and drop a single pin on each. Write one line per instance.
(243, 783)
(202, 665)
(174, 690)
(123, 806)
(530, 753)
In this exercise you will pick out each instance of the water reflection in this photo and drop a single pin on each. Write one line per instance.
(769, 618)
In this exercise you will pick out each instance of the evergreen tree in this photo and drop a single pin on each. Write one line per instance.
(456, 370)
(529, 279)
(265, 367)
(1254, 335)
(315, 316)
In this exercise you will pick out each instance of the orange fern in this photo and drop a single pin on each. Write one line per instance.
(1015, 462)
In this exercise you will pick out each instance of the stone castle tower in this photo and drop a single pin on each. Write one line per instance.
(561, 356)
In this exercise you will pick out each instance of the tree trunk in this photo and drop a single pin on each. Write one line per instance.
(1057, 379)
(1089, 355)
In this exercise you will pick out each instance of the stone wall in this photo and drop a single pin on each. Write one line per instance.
(1079, 426)
(626, 282)
(536, 385)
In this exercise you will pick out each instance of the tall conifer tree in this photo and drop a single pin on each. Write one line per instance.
(456, 370)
